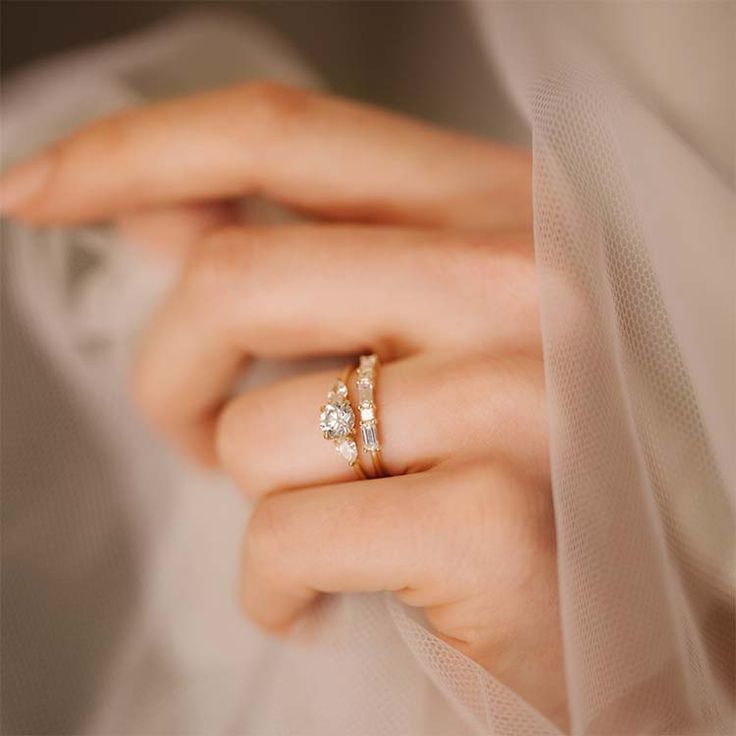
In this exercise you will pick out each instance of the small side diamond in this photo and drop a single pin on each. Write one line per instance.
(367, 412)
(339, 392)
(365, 391)
(348, 449)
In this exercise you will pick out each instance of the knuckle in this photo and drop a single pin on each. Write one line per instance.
(476, 478)
(510, 504)
(274, 101)
(263, 559)
(241, 436)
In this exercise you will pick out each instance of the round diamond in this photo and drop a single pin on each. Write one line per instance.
(336, 420)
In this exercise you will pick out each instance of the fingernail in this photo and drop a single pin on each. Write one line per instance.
(23, 182)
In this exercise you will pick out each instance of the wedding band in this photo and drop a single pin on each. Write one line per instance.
(366, 383)
(337, 423)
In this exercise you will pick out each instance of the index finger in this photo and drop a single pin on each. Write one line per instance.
(319, 154)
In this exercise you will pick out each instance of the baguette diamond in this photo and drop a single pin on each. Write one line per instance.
(365, 383)
(367, 412)
(369, 435)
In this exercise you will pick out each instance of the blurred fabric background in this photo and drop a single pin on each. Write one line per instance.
(119, 558)
(424, 58)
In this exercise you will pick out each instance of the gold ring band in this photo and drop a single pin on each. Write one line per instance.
(337, 423)
(366, 385)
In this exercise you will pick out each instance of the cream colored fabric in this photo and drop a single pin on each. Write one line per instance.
(634, 233)
(119, 558)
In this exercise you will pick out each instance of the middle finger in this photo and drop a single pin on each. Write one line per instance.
(296, 291)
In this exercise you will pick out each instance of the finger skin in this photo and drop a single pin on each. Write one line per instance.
(268, 440)
(174, 230)
(327, 156)
(359, 536)
(446, 540)
(471, 544)
(299, 291)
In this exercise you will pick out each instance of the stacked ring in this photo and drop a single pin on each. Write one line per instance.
(366, 383)
(337, 423)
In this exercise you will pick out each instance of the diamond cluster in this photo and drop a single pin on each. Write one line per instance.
(368, 422)
(337, 422)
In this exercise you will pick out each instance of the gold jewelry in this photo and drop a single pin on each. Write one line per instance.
(366, 383)
(337, 423)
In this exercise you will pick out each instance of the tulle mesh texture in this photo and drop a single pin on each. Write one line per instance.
(634, 223)
(119, 559)
(647, 599)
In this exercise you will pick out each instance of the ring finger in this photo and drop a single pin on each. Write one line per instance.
(428, 411)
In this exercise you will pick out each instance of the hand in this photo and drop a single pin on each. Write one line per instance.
(436, 274)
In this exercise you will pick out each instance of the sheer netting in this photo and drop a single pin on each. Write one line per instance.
(119, 558)
(634, 223)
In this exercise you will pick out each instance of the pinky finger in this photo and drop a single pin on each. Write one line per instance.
(358, 536)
